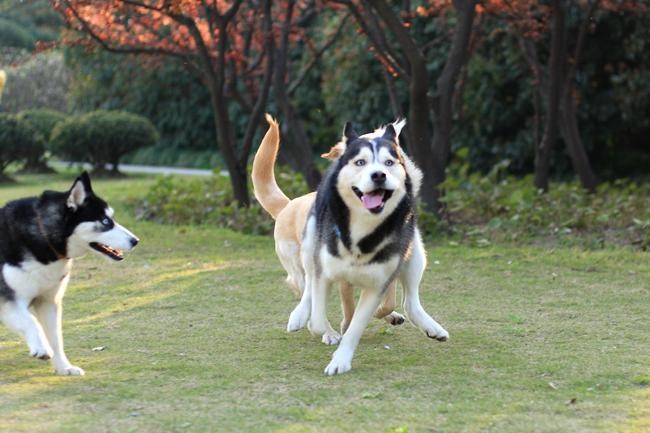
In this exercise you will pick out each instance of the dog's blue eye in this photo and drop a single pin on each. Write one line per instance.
(106, 221)
(360, 162)
(389, 162)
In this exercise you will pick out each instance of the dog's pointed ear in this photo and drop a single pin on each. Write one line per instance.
(349, 133)
(85, 178)
(335, 152)
(389, 133)
(398, 125)
(81, 188)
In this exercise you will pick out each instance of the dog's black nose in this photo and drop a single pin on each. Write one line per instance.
(134, 241)
(378, 177)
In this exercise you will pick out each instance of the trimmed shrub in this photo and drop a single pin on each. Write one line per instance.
(17, 139)
(42, 122)
(102, 137)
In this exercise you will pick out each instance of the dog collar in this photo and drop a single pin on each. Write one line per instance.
(41, 229)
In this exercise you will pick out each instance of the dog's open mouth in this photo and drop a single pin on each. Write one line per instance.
(373, 200)
(113, 253)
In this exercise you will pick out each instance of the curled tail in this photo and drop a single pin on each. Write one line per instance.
(267, 191)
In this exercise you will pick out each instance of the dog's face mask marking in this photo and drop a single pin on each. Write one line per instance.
(96, 229)
(372, 174)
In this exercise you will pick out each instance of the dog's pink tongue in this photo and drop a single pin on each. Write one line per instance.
(372, 199)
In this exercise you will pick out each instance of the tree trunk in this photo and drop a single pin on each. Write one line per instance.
(443, 101)
(557, 63)
(568, 113)
(226, 144)
(577, 152)
(36, 166)
(298, 151)
(298, 144)
(419, 134)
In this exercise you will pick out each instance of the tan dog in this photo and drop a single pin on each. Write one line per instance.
(290, 218)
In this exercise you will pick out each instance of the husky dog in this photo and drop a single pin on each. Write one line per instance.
(39, 237)
(360, 231)
(290, 216)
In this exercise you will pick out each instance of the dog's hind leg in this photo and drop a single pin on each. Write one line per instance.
(386, 310)
(342, 357)
(289, 254)
(300, 315)
(347, 305)
(49, 313)
(411, 275)
(16, 316)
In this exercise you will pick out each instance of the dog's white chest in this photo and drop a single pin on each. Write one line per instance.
(356, 269)
(32, 278)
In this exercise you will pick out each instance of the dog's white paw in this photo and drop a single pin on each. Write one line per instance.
(341, 362)
(331, 338)
(394, 318)
(41, 352)
(437, 333)
(70, 370)
(298, 319)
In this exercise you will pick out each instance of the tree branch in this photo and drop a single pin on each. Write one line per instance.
(258, 109)
(317, 55)
(579, 44)
(105, 45)
(373, 31)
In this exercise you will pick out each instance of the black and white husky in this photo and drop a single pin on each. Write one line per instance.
(362, 230)
(39, 237)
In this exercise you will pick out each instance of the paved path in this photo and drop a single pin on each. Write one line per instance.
(128, 168)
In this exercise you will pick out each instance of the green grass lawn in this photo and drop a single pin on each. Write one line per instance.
(192, 325)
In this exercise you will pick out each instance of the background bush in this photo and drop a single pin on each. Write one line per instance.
(164, 92)
(102, 137)
(22, 23)
(501, 207)
(42, 122)
(481, 209)
(17, 140)
(40, 82)
(210, 200)
(14, 35)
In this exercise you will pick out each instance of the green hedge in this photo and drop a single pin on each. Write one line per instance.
(102, 137)
(42, 121)
(17, 141)
(14, 35)
(480, 209)
(496, 207)
(175, 200)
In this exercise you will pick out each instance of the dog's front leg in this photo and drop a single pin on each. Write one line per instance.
(50, 312)
(342, 357)
(16, 316)
(318, 324)
(411, 275)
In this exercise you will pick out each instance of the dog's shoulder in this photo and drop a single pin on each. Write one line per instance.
(16, 222)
